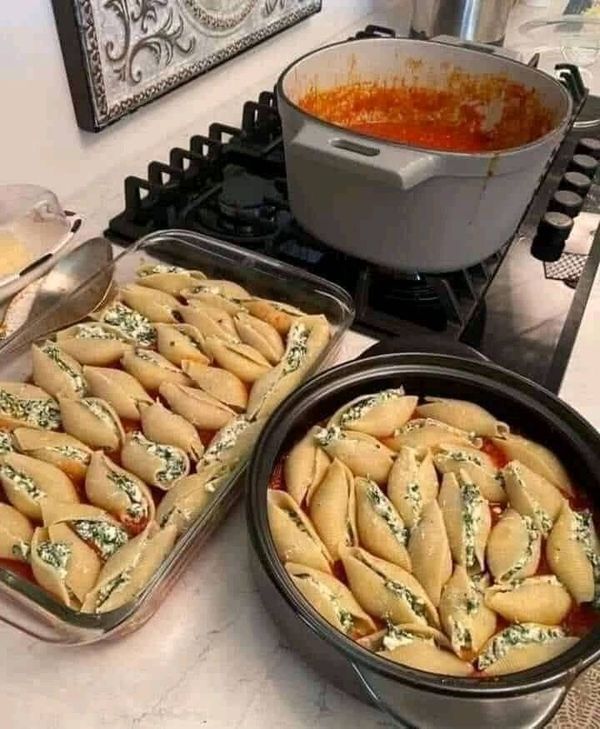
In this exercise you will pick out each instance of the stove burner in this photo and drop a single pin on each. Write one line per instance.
(248, 197)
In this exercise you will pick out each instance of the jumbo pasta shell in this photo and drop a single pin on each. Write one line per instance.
(93, 421)
(217, 286)
(179, 342)
(133, 325)
(331, 599)
(159, 464)
(385, 590)
(15, 534)
(218, 383)
(280, 316)
(242, 360)
(466, 618)
(541, 599)
(24, 404)
(378, 414)
(151, 369)
(364, 455)
(464, 415)
(260, 335)
(477, 465)
(62, 450)
(232, 443)
(212, 296)
(93, 343)
(130, 569)
(294, 536)
(27, 482)
(412, 484)
(197, 407)
(414, 647)
(381, 530)
(332, 508)
(162, 426)
(514, 547)
(55, 371)
(119, 492)
(532, 495)
(427, 433)
(117, 388)
(209, 321)
(170, 279)
(429, 551)
(157, 306)
(304, 467)
(537, 458)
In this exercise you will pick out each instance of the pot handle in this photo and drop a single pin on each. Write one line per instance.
(417, 709)
(398, 166)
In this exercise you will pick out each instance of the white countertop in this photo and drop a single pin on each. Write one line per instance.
(211, 655)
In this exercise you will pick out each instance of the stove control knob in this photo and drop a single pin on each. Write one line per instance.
(576, 182)
(589, 146)
(585, 164)
(566, 202)
(552, 233)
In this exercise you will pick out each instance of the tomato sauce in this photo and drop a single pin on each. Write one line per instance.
(277, 480)
(498, 456)
(452, 117)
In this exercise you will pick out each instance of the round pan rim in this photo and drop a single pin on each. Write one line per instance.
(491, 154)
(560, 671)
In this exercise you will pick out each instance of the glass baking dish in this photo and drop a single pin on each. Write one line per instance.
(28, 607)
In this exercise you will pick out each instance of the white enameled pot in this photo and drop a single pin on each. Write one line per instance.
(399, 206)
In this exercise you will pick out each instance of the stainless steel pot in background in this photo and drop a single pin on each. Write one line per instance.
(406, 207)
(482, 21)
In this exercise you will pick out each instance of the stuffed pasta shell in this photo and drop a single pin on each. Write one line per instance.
(379, 414)
(218, 383)
(129, 322)
(476, 464)
(279, 315)
(190, 496)
(158, 464)
(467, 518)
(62, 450)
(260, 335)
(209, 321)
(364, 455)
(426, 433)
(232, 443)
(119, 389)
(386, 590)
(245, 362)
(467, 620)
(294, 536)
(170, 279)
(93, 421)
(514, 547)
(464, 415)
(429, 551)
(331, 599)
(532, 495)
(151, 369)
(537, 458)
(522, 646)
(28, 481)
(332, 508)
(196, 406)
(381, 530)
(162, 426)
(179, 342)
(420, 647)
(7, 442)
(541, 599)
(573, 553)
(57, 372)
(412, 484)
(15, 534)
(94, 343)
(156, 306)
(119, 492)
(130, 569)
(305, 466)
(219, 295)
(28, 405)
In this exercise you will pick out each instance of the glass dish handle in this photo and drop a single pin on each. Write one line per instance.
(413, 708)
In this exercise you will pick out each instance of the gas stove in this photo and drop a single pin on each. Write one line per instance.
(520, 312)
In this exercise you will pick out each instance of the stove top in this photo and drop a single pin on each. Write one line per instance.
(231, 184)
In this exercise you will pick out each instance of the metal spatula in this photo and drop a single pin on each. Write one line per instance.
(76, 286)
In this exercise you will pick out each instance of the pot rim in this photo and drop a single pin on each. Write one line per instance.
(491, 154)
(560, 671)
